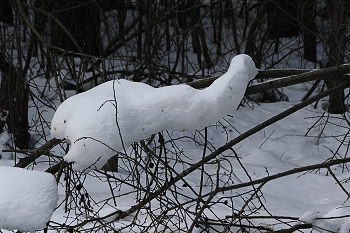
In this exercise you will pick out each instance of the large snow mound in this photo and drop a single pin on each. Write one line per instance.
(27, 198)
(102, 121)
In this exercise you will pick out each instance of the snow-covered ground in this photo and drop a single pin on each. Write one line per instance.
(309, 136)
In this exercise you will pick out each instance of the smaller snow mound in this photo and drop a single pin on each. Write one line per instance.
(336, 220)
(309, 217)
(27, 198)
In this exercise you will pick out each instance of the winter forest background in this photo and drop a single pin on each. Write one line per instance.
(206, 180)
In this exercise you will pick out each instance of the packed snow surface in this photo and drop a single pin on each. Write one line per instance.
(104, 120)
(27, 198)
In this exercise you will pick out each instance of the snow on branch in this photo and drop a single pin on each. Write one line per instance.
(104, 120)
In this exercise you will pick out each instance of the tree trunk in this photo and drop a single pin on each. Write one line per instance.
(14, 99)
(82, 20)
(309, 30)
(282, 18)
(6, 14)
(40, 21)
(338, 13)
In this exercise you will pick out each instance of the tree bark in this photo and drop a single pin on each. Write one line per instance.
(14, 99)
(82, 21)
(309, 30)
(6, 14)
(338, 13)
(44, 149)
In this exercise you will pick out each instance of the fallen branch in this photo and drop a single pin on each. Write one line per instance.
(229, 145)
(291, 77)
(44, 149)
(263, 74)
(57, 167)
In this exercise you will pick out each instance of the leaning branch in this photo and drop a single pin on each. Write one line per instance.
(285, 173)
(263, 74)
(291, 77)
(44, 149)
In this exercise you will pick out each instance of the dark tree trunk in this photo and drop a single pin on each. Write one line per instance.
(282, 16)
(121, 6)
(6, 14)
(338, 13)
(198, 36)
(141, 10)
(309, 30)
(183, 9)
(82, 21)
(40, 21)
(14, 99)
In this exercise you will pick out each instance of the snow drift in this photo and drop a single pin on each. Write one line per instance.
(102, 121)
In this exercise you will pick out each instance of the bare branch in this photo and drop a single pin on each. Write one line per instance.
(44, 149)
